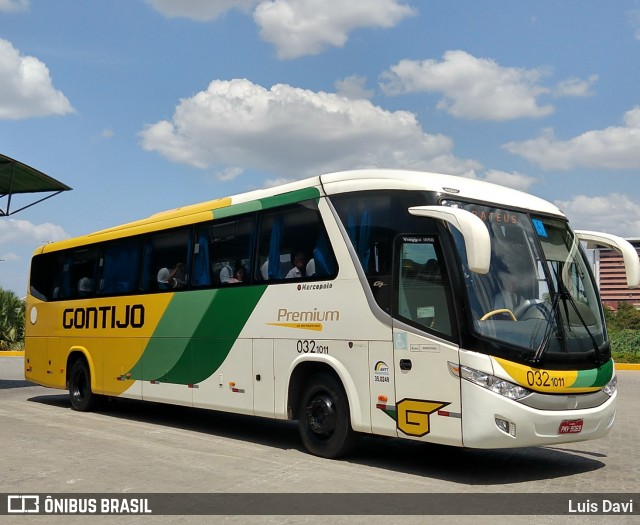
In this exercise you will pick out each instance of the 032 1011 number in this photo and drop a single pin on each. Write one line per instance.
(307, 346)
(544, 379)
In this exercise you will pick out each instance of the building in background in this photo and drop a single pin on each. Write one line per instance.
(612, 281)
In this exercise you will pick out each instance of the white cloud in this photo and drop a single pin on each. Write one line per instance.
(25, 87)
(202, 10)
(272, 183)
(9, 257)
(633, 18)
(308, 27)
(14, 5)
(614, 213)
(18, 231)
(295, 132)
(229, 173)
(472, 88)
(613, 148)
(576, 87)
(353, 87)
(515, 180)
(296, 27)
(18, 240)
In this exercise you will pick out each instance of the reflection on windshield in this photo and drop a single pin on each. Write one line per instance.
(539, 295)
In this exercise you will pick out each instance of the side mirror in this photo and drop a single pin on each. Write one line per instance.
(476, 236)
(629, 254)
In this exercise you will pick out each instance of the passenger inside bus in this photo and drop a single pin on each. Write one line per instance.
(299, 266)
(233, 276)
(175, 278)
(85, 287)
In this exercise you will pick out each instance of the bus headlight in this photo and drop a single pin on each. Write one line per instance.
(611, 387)
(493, 383)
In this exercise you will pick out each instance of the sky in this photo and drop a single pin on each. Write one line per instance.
(146, 105)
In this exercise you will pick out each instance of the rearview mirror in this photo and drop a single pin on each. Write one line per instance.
(476, 236)
(629, 254)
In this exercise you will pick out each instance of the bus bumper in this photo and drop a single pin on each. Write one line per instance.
(490, 420)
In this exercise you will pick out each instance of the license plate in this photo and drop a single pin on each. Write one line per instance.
(571, 426)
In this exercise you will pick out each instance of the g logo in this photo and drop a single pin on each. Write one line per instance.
(413, 415)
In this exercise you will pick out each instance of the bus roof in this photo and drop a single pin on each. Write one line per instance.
(455, 187)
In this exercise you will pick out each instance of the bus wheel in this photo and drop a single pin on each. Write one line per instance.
(80, 394)
(324, 422)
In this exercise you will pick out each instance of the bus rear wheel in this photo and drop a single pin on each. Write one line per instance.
(324, 422)
(80, 394)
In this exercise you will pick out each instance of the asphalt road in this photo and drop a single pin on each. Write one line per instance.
(135, 447)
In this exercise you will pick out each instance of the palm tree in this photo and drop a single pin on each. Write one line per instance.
(11, 320)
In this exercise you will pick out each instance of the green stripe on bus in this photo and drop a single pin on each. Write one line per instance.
(595, 377)
(290, 197)
(196, 334)
(236, 209)
(172, 334)
(266, 203)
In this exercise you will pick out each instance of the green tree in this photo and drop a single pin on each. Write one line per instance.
(626, 317)
(624, 330)
(11, 321)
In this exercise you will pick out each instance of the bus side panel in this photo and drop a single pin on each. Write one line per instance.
(160, 379)
(114, 354)
(382, 380)
(230, 387)
(347, 358)
(263, 378)
(36, 363)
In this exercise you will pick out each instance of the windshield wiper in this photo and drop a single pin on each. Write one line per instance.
(553, 316)
(546, 338)
(596, 348)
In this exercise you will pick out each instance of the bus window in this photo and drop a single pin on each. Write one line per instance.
(165, 261)
(294, 245)
(45, 272)
(422, 295)
(79, 273)
(120, 263)
(222, 253)
(372, 220)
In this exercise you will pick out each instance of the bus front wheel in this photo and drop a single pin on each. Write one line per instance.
(80, 394)
(324, 422)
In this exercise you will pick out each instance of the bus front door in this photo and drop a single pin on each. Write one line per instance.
(427, 395)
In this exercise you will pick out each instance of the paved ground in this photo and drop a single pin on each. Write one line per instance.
(136, 447)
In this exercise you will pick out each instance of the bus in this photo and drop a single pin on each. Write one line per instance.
(406, 304)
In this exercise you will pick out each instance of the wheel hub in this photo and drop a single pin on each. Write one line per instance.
(321, 415)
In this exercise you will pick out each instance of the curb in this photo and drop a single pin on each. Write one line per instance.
(16, 353)
(627, 366)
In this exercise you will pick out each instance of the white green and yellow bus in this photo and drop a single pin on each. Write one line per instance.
(406, 304)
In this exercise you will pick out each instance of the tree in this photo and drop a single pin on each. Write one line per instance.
(12, 311)
(626, 317)
(624, 330)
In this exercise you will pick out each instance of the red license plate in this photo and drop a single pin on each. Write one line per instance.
(571, 426)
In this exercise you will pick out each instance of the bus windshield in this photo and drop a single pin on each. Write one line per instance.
(539, 299)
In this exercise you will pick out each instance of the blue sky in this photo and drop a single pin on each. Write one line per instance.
(146, 105)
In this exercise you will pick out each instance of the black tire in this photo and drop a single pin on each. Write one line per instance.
(80, 394)
(324, 421)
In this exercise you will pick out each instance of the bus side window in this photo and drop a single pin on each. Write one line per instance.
(80, 272)
(166, 261)
(222, 253)
(45, 276)
(293, 244)
(120, 262)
